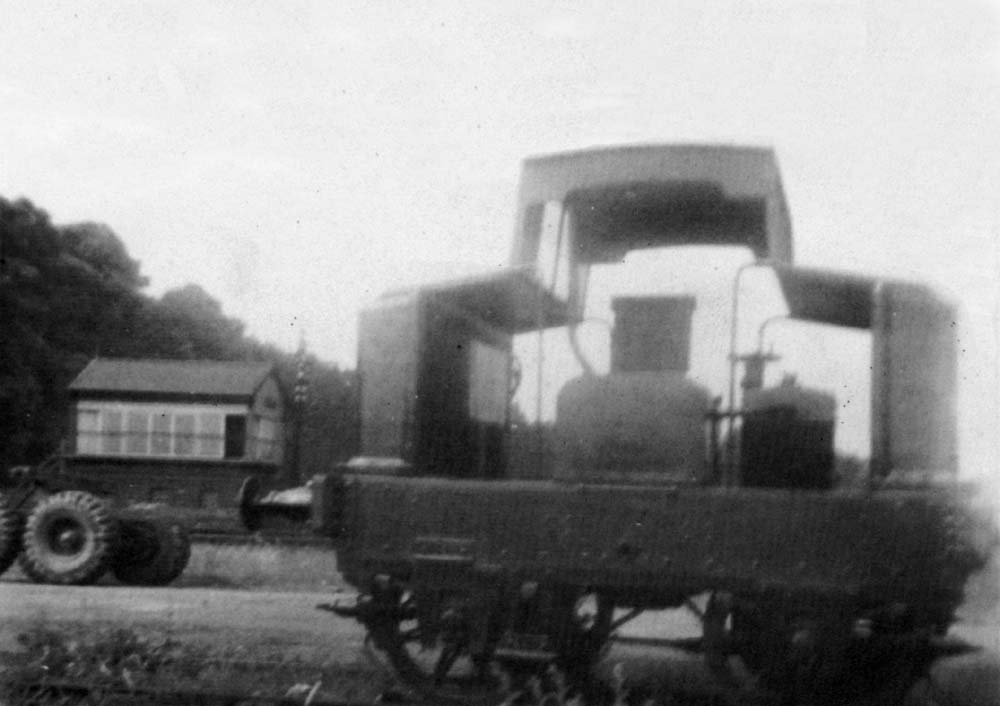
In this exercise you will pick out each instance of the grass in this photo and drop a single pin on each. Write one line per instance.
(262, 566)
(121, 659)
(115, 662)
(252, 566)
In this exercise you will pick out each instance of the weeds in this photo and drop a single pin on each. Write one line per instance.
(121, 660)
(109, 663)
(117, 658)
(554, 688)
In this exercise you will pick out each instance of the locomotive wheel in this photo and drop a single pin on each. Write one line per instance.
(69, 538)
(394, 627)
(10, 534)
(716, 635)
(151, 553)
(393, 617)
(588, 621)
(427, 646)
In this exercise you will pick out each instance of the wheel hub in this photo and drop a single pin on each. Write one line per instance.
(67, 538)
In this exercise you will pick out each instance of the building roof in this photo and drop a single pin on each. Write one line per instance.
(171, 378)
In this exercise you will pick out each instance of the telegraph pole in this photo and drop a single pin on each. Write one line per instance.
(300, 397)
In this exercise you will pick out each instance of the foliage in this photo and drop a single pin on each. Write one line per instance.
(115, 658)
(330, 426)
(125, 660)
(71, 293)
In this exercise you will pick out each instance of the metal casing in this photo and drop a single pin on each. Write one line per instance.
(434, 387)
(632, 428)
(787, 438)
(650, 544)
(745, 173)
(914, 382)
(651, 334)
(914, 344)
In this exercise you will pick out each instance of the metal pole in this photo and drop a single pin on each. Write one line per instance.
(539, 431)
(729, 472)
(299, 398)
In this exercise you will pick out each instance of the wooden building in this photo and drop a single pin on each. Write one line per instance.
(179, 432)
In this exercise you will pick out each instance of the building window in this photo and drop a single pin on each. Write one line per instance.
(267, 438)
(121, 429)
(112, 434)
(184, 435)
(236, 435)
(161, 434)
(137, 433)
(87, 431)
(210, 436)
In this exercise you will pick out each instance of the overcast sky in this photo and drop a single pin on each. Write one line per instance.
(297, 158)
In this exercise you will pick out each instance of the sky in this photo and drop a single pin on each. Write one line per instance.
(296, 159)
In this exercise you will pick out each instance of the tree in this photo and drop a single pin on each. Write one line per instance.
(188, 323)
(70, 293)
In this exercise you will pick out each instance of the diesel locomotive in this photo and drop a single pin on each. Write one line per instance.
(661, 492)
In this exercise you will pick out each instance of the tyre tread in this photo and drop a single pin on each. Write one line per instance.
(33, 558)
(10, 534)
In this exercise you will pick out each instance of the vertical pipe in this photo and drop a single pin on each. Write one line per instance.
(880, 385)
(540, 323)
(729, 472)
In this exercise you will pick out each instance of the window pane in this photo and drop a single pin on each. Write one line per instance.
(552, 261)
(137, 436)
(210, 435)
(489, 387)
(87, 435)
(161, 434)
(236, 435)
(265, 439)
(113, 438)
(184, 435)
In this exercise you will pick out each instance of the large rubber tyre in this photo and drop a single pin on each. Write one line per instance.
(163, 552)
(10, 534)
(69, 538)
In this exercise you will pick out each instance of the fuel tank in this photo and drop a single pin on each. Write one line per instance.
(632, 427)
(645, 420)
(787, 437)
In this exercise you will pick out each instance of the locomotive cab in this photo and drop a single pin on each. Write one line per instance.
(436, 363)
(438, 370)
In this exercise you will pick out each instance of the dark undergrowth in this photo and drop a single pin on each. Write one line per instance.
(55, 666)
